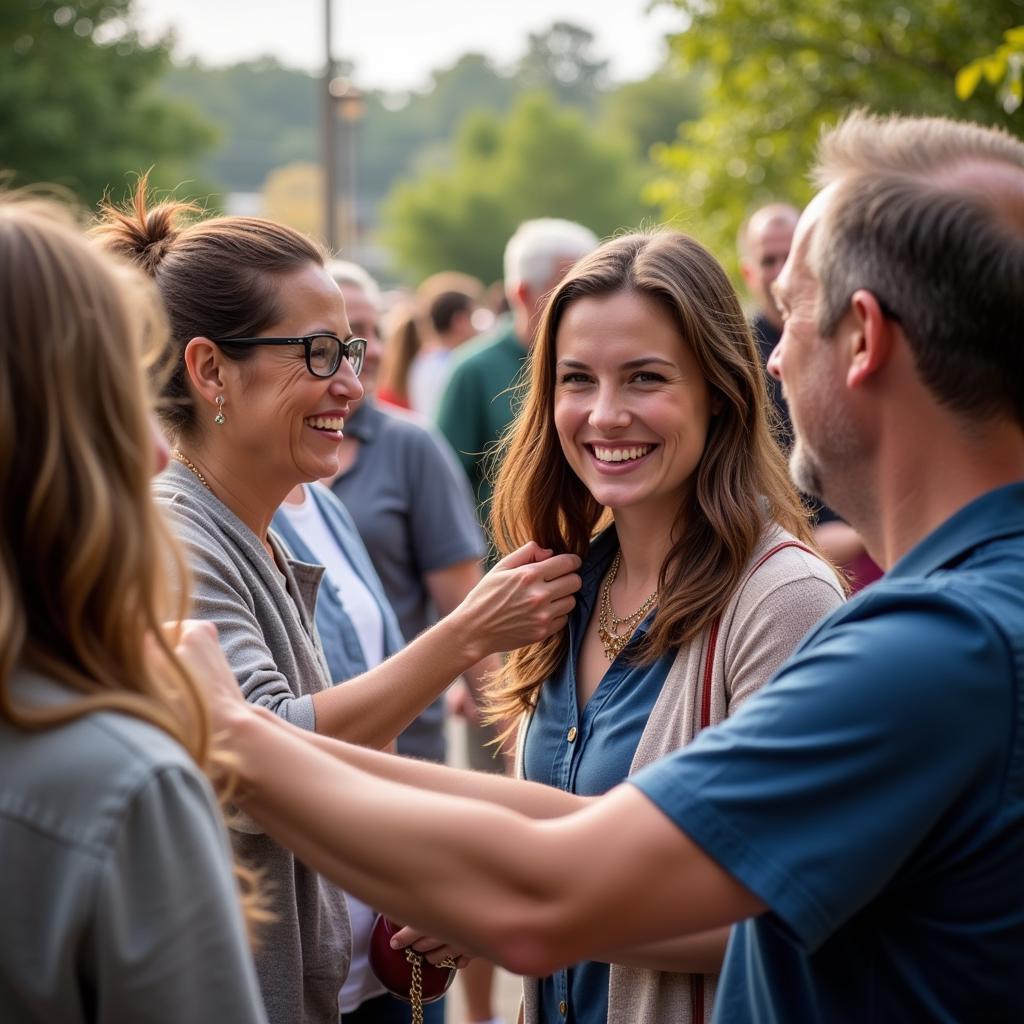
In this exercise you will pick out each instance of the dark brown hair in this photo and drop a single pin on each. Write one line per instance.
(446, 306)
(741, 483)
(216, 277)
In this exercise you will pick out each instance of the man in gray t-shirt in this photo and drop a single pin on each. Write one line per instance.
(413, 508)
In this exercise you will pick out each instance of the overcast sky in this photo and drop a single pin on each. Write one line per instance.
(396, 43)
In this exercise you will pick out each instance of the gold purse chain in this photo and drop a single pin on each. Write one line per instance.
(416, 984)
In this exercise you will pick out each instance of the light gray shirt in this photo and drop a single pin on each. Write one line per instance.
(268, 634)
(117, 892)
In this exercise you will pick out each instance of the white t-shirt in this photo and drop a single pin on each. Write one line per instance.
(356, 598)
(428, 375)
(363, 610)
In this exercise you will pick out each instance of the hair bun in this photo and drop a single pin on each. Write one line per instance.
(142, 234)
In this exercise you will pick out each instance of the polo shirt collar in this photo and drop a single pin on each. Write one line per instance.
(365, 423)
(997, 514)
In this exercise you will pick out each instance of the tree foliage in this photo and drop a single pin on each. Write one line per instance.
(269, 115)
(539, 161)
(780, 70)
(266, 115)
(561, 62)
(650, 111)
(1003, 69)
(79, 105)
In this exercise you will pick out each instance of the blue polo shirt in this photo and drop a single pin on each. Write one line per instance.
(872, 795)
(589, 751)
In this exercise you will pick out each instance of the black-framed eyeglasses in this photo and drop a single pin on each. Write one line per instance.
(324, 352)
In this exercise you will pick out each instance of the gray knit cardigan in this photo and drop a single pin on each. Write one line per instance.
(268, 633)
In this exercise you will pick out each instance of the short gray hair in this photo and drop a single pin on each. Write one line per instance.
(910, 222)
(352, 274)
(534, 252)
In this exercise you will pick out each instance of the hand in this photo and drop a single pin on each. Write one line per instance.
(197, 646)
(459, 703)
(526, 597)
(433, 950)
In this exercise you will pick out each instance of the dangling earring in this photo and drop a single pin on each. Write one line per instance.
(219, 418)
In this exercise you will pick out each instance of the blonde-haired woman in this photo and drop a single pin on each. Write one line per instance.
(118, 894)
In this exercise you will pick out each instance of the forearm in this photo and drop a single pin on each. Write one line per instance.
(373, 708)
(702, 953)
(529, 894)
(526, 597)
(408, 852)
(528, 798)
(448, 587)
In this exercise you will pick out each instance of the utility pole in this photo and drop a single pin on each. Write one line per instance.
(330, 149)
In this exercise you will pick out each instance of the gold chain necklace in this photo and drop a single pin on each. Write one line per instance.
(179, 456)
(608, 626)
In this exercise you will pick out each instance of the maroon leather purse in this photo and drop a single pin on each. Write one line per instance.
(404, 972)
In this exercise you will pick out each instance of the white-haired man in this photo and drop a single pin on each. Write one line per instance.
(477, 403)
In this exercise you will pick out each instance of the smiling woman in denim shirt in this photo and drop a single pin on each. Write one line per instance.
(645, 446)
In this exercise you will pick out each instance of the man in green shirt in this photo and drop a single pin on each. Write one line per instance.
(478, 403)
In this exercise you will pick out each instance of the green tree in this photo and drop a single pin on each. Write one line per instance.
(780, 70)
(266, 115)
(394, 138)
(539, 161)
(560, 61)
(650, 111)
(79, 105)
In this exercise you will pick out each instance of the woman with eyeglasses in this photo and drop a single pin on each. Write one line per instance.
(265, 368)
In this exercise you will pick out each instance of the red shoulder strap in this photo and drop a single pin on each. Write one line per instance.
(709, 654)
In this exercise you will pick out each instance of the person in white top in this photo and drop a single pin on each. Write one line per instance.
(450, 314)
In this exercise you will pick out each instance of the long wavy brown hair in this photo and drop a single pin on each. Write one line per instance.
(89, 572)
(740, 486)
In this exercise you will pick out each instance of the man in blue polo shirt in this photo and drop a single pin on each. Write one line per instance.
(872, 800)
(862, 818)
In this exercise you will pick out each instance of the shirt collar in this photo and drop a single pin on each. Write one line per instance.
(599, 556)
(996, 514)
(365, 423)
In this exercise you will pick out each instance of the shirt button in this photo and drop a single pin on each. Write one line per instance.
(563, 1009)
(570, 736)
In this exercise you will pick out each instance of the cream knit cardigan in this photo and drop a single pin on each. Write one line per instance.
(779, 600)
